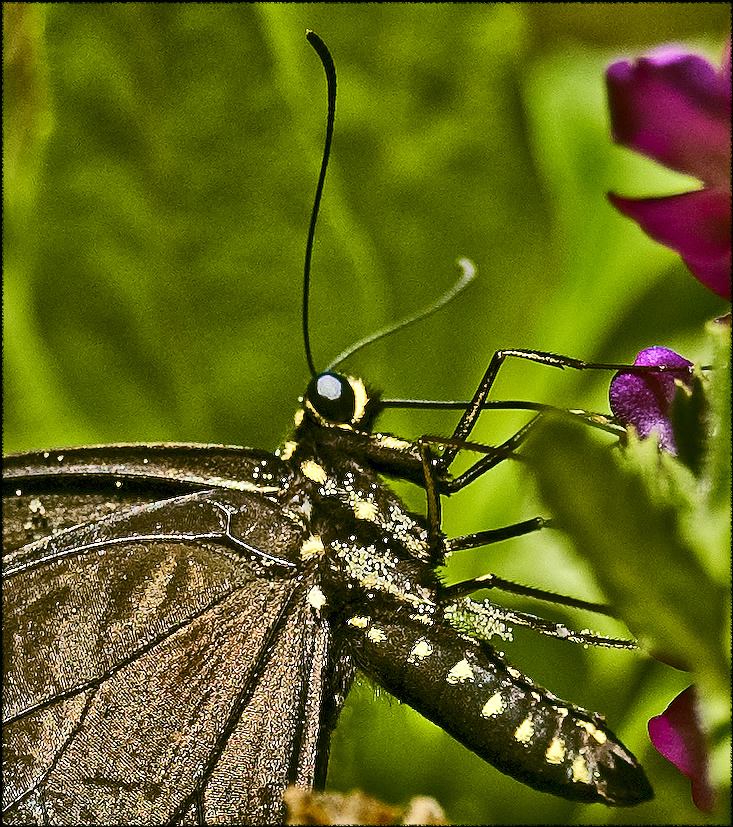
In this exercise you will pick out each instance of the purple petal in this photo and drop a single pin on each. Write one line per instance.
(677, 734)
(644, 400)
(675, 108)
(725, 70)
(697, 225)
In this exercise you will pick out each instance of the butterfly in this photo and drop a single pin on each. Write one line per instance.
(182, 623)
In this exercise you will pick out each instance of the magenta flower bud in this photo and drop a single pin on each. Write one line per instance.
(644, 400)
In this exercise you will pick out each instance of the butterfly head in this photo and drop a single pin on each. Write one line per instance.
(338, 401)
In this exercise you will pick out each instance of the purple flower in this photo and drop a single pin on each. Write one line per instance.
(676, 108)
(677, 734)
(644, 400)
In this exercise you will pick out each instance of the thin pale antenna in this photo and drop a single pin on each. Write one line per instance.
(467, 276)
(330, 70)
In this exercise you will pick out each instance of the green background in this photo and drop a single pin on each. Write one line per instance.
(160, 164)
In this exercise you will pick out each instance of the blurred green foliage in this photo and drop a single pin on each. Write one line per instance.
(160, 162)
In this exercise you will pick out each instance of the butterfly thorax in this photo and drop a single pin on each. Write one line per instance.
(368, 547)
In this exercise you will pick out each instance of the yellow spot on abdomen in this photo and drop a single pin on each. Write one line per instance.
(376, 635)
(420, 651)
(593, 731)
(580, 770)
(460, 672)
(555, 752)
(524, 731)
(494, 706)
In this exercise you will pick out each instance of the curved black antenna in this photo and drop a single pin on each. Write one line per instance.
(330, 70)
(467, 275)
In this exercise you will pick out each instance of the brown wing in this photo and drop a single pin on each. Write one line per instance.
(155, 668)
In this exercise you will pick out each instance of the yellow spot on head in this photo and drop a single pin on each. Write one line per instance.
(358, 622)
(460, 672)
(524, 731)
(313, 471)
(312, 548)
(316, 598)
(360, 396)
(298, 418)
(420, 651)
(288, 449)
(580, 770)
(376, 635)
(555, 752)
(494, 706)
(365, 510)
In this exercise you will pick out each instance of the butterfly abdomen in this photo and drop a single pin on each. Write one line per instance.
(489, 706)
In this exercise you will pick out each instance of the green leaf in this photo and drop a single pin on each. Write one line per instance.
(623, 515)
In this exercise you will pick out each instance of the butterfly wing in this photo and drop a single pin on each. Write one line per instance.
(156, 669)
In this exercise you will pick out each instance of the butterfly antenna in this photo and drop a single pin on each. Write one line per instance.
(330, 70)
(468, 273)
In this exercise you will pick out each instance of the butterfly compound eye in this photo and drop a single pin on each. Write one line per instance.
(332, 397)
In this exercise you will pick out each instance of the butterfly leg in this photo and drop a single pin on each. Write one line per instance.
(480, 397)
(442, 545)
